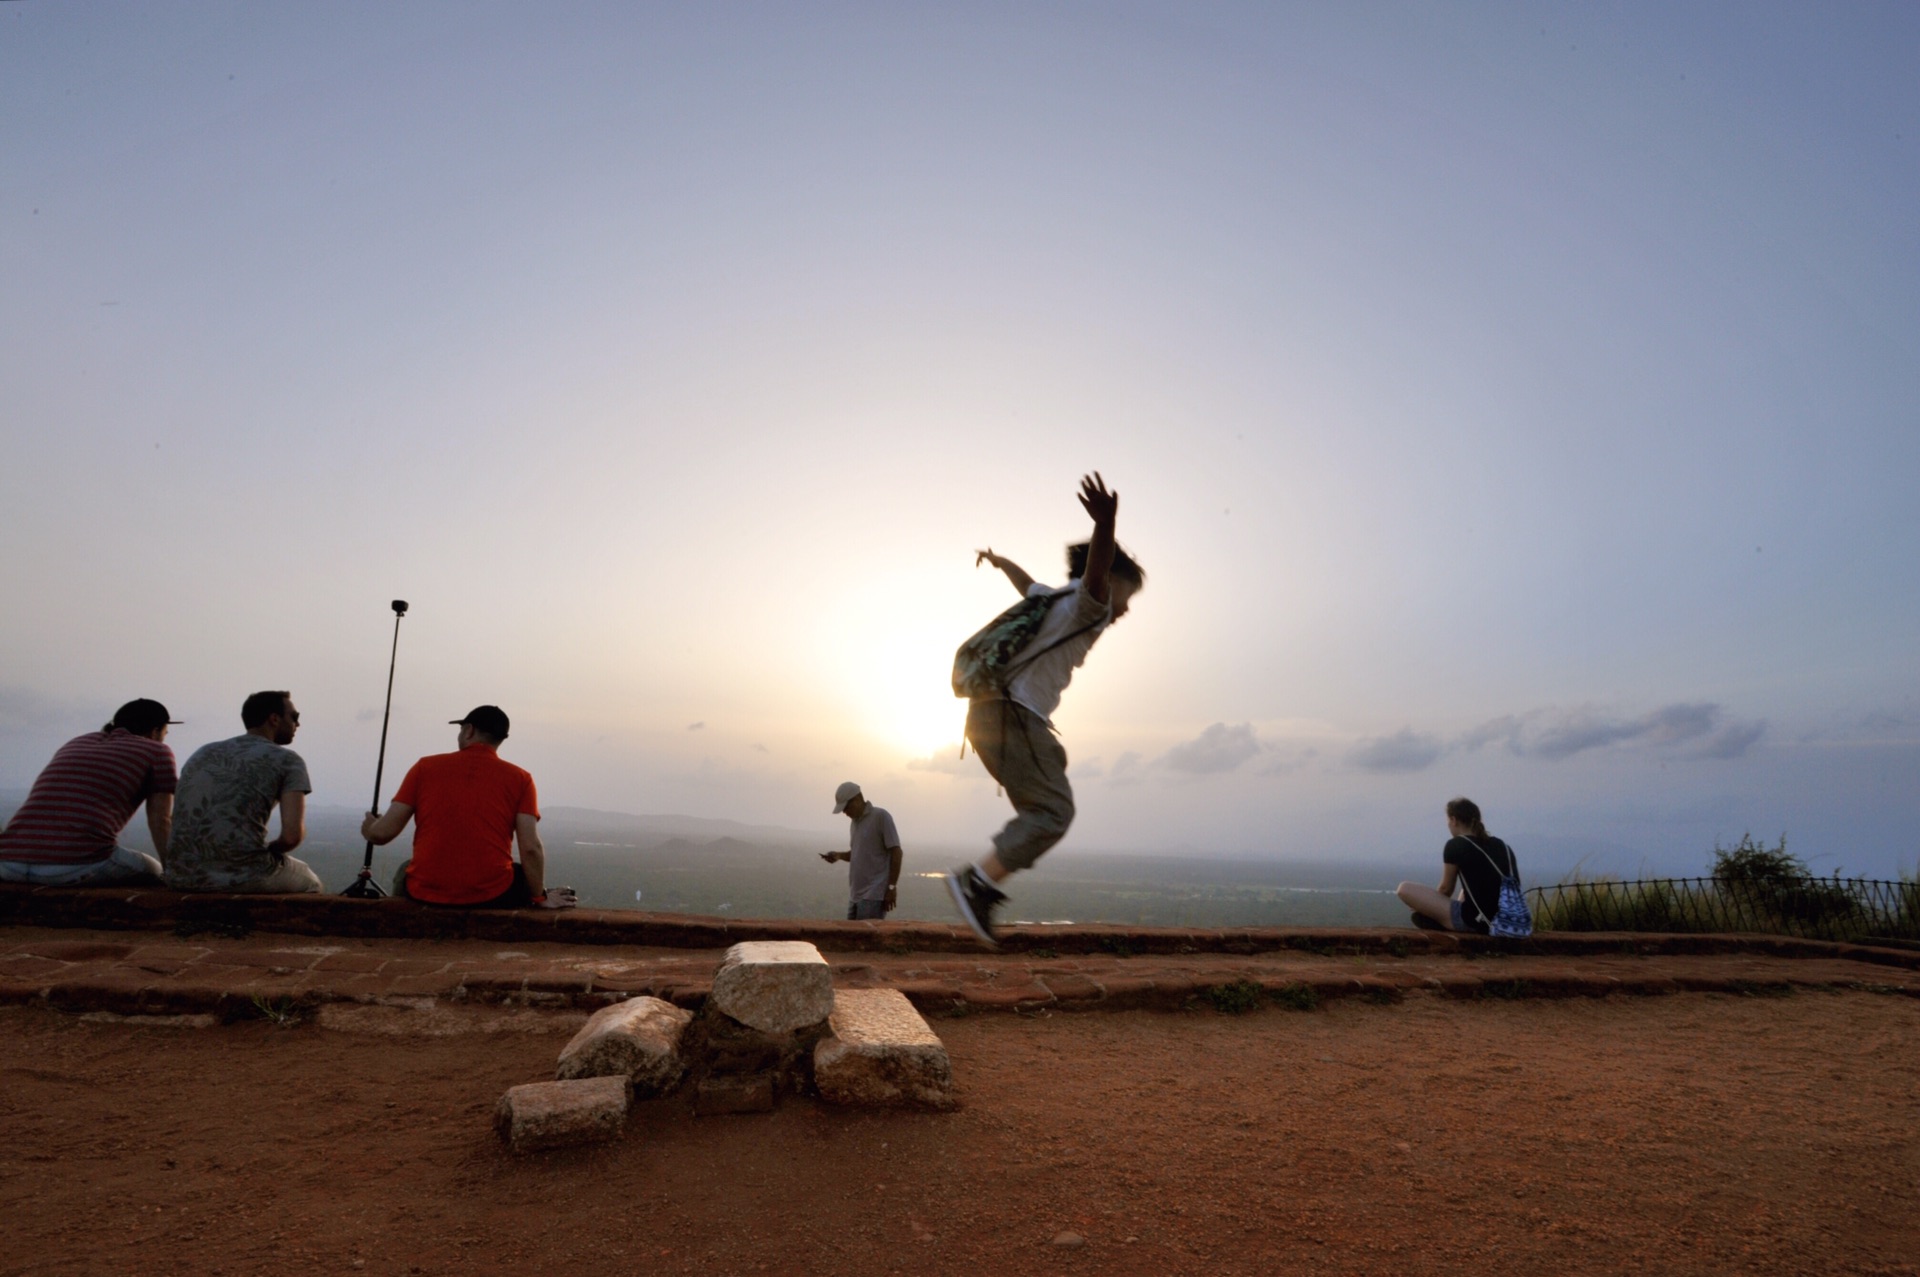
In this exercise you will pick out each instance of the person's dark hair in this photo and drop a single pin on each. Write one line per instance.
(1123, 565)
(261, 706)
(1466, 812)
(139, 717)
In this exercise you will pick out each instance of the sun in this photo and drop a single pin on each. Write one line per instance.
(913, 707)
(895, 684)
(903, 695)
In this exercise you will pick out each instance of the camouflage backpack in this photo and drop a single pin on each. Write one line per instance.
(987, 662)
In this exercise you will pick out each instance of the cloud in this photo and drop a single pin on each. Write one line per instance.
(697, 727)
(1126, 769)
(1218, 749)
(1734, 740)
(1555, 735)
(1283, 759)
(1404, 751)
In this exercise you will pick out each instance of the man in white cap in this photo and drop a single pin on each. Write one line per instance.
(873, 855)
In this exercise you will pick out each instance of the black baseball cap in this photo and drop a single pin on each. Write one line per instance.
(142, 716)
(489, 720)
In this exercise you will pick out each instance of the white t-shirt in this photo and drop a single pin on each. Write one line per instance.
(1041, 680)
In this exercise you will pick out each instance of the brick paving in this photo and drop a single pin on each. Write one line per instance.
(234, 977)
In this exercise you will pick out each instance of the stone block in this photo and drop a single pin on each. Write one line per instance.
(544, 1115)
(637, 1039)
(733, 1094)
(879, 1051)
(775, 986)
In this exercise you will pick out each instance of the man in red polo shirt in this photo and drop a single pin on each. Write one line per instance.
(472, 805)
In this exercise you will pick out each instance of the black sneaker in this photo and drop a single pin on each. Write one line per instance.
(975, 899)
(1425, 923)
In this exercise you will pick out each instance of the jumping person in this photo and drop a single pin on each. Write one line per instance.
(1469, 892)
(1009, 714)
(472, 806)
(67, 833)
(873, 855)
(228, 790)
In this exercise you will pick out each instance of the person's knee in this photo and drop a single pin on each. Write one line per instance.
(1407, 891)
(138, 865)
(1056, 817)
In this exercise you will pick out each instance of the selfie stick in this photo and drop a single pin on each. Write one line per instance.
(364, 886)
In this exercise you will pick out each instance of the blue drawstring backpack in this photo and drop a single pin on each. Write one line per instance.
(1511, 919)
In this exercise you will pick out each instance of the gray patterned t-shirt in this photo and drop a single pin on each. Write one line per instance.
(228, 790)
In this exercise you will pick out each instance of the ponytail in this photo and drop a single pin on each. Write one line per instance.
(1465, 811)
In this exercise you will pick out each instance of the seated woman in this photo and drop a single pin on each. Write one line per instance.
(1469, 892)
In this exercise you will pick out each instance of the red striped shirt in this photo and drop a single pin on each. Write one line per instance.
(86, 796)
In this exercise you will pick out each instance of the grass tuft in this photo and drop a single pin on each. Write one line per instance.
(281, 1011)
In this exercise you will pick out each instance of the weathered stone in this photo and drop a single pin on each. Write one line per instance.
(776, 986)
(557, 1114)
(879, 1051)
(638, 1038)
(750, 1094)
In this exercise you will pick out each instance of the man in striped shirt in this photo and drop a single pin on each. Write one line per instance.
(67, 832)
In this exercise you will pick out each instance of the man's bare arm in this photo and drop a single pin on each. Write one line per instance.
(533, 852)
(160, 822)
(533, 860)
(1103, 507)
(895, 857)
(1021, 581)
(381, 830)
(293, 823)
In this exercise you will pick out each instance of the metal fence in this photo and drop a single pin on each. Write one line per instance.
(1813, 908)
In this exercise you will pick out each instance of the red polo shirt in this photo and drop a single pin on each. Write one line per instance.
(464, 805)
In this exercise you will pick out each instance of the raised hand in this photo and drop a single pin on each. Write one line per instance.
(1101, 505)
(1014, 572)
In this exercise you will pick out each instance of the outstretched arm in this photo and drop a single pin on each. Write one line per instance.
(1021, 581)
(381, 830)
(1103, 506)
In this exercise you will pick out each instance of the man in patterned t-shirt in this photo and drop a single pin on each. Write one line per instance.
(67, 832)
(228, 791)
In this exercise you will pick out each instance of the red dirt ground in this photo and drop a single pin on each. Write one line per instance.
(1693, 1133)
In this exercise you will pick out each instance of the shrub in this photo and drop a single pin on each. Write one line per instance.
(1297, 996)
(1237, 998)
(1748, 861)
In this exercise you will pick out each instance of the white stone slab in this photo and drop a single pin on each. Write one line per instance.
(558, 1114)
(879, 1051)
(638, 1039)
(776, 986)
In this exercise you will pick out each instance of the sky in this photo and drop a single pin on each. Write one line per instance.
(1508, 400)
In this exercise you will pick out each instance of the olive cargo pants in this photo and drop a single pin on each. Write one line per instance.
(1022, 753)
